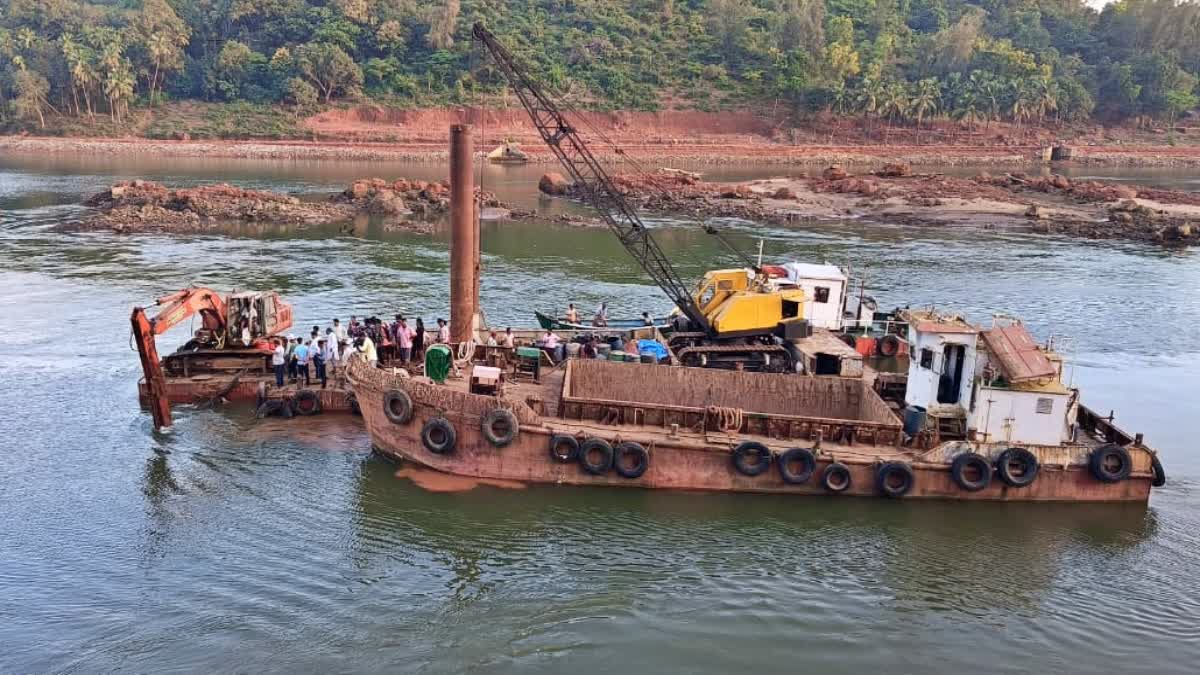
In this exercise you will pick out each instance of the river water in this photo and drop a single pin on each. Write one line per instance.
(244, 545)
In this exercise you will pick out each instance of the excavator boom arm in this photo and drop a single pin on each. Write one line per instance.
(591, 178)
(179, 306)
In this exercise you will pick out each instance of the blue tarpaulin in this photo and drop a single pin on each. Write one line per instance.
(652, 347)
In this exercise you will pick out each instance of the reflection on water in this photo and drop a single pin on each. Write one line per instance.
(281, 546)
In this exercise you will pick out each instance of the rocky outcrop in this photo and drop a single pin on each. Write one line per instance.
(146, 206)
(553, 183)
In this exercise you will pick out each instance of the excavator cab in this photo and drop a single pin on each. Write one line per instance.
(736, 304)
(267, 314)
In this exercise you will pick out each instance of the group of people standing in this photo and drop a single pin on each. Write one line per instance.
(321, 354)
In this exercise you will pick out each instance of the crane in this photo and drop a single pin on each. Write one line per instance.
(217, 338)
(727, 306)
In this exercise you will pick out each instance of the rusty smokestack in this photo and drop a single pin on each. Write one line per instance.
(463, 244)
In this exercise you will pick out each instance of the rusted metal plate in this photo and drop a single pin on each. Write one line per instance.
(1018, 355)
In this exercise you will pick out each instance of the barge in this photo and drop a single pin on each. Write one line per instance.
(602, 423)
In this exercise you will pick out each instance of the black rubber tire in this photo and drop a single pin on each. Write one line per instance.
(273, 406)
(438, 436)
(971, 460)
(306, 403)
(352, 401)
(1160, 474)
(506, 421)
(601, 467)
(1021, 457)
(1102, 459)
(564, 449)
(836, 478)
(889, 345)
(743, 451)
(891, 470)
(808, 465)
(627, 449)
(398, 406)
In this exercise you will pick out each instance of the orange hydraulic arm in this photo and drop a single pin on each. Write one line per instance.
(174, 309)
(181, 305)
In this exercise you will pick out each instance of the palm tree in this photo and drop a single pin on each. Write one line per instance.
(969, 109)
(1045, 97)
(119, 89)
(868, 97)
(160, 47)
(925, 99)
(894, 105)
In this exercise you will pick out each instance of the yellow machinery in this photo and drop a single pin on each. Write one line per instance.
(739, 303)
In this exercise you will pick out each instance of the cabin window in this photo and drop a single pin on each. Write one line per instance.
(927, 359)
(725, 284)
(1045, 406)
(822, 294)
(707, 295)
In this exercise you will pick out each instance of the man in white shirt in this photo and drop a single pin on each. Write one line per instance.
(443, 334)
(278, 360)
(331, 350)
(510, 340)
(550, 343)
(339, 331)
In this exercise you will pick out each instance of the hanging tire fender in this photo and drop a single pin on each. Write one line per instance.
(742, 454)
(894, 479)
(438, 436)
(500, 427)
(806, 460)
(1160, 474)
(630, 449)
(564, 449)
(836, 478)
(306, 403)
(398, 406)
(600, 466)
(1017, 467)
(1110, 463)
(964, 465)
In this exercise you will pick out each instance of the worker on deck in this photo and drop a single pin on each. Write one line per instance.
(646, 320)
(510, 341)
(443, 334)
(601, 318)
(279, 361)
(290, 357)
(318, 359)
(631, 346)
(347, 352)
(246, 340)
(339, 331)
(367, 346)
(418, 343)
(550, 343)
(304, 354)
(572, 313)
(492, 341)
(355, 329)
(404, 338)
(331, 350)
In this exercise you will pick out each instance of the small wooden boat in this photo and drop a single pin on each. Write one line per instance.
(548, 322)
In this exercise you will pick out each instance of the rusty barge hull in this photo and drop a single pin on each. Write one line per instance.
(685, 453)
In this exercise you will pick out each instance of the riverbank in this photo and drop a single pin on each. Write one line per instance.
(713, 149)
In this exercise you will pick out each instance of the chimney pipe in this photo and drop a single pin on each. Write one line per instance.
(463, 298)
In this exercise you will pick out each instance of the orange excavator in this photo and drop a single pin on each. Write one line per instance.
(217, 345)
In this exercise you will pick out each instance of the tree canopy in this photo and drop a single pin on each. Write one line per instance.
(893, 60)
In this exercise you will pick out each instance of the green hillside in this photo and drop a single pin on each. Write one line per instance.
(903, 61)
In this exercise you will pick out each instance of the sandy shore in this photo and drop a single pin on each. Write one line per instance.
(710, 149)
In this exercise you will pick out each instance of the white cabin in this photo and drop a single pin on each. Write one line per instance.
(824, 289)
(1021, 397)
(942, 360)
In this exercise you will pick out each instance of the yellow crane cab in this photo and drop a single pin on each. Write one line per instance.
(741, 303)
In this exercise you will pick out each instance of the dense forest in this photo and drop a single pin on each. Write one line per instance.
(893, 61)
